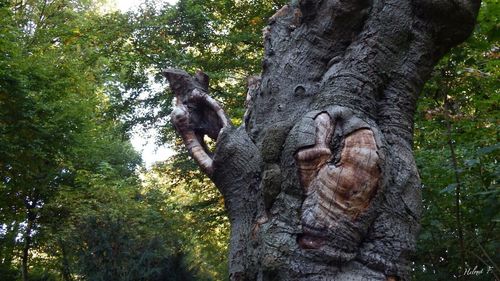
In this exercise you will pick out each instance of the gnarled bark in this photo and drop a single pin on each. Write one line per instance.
(320, 182)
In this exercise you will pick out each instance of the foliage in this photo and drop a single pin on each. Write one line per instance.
(190, 199)
(114, 232)
(69, 193)
(458, 111)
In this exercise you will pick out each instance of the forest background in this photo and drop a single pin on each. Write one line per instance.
(77, 201)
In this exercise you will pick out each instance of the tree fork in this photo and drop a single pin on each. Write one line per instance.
(320, 182)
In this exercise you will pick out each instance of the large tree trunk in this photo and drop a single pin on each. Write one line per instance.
(320, 181)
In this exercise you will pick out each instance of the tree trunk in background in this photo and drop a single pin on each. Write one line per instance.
(65, 267)
(320, 181)
(30, 218)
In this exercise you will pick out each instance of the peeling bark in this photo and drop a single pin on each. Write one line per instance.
(320, 181)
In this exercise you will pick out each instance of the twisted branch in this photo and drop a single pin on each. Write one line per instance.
(196, 115)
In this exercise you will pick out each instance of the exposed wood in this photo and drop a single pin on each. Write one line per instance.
(335, 190)
(311, 159)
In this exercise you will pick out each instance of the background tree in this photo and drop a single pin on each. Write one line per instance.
(192, 201)
(456, 145)
(64, 155)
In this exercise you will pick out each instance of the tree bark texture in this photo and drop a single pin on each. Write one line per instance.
(320, 181)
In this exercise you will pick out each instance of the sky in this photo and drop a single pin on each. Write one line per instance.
(126, 5)
(144, 141)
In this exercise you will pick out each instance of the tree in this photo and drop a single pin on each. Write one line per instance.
(456, 111)
(71, 202)
(54, 127)
(320, 182)
(192, 200)
(109, 230)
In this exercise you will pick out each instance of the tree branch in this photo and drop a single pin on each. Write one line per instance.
(196, 114)
(234, 167)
